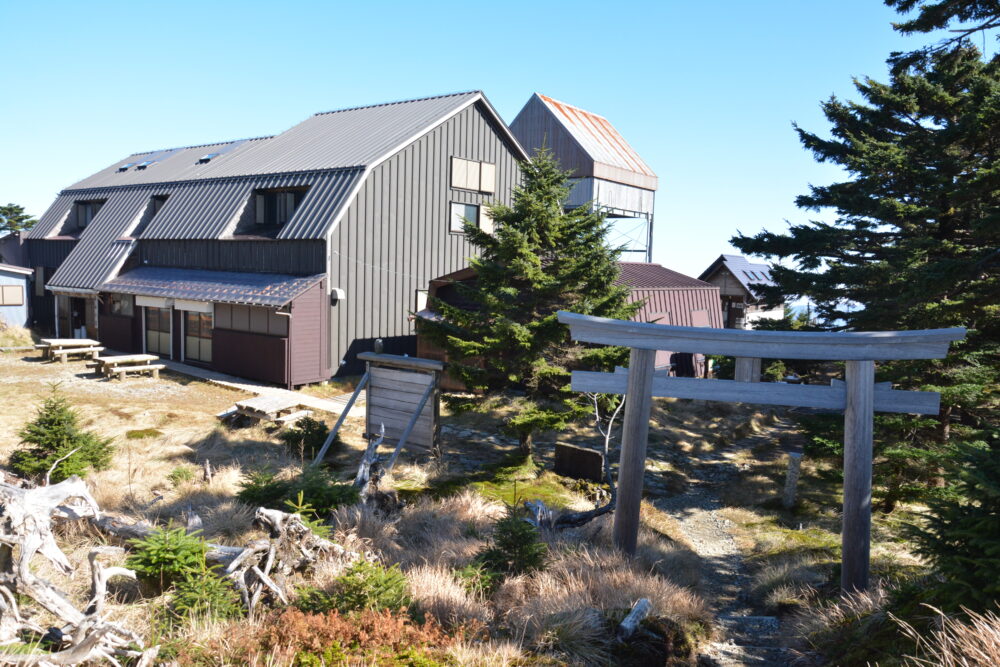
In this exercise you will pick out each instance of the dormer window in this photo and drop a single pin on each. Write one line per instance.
(276, 207)
(85, 211)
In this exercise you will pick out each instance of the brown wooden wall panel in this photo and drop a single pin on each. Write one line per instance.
(250, 355)
(391, 398)
(120, 334)
(309, 343)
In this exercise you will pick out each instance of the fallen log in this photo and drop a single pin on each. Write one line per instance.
(630, 623)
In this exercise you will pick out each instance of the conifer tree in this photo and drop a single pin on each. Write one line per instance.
(55, 434)
(915, 238)
(506, 337)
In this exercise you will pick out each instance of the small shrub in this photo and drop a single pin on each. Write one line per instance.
(205, 594)
(306, 438)
(370, 586)
(776, 371)
(167, 556)
(179, 475)
(54, 434)
(517, 547)
(318, 489)
(309, 515)
(477, 579)
(143, 433)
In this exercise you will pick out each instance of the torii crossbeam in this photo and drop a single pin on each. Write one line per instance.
(858, 396)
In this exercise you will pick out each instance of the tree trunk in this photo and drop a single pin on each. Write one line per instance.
(524, 440)
(938, 480)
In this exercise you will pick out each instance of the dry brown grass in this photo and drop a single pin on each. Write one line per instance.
(562, 609)
(14, 336)
(493, 653)
(972, 641)
(437, 592)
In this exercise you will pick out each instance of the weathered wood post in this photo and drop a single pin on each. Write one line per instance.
(747, 369)
(792, 480)
(635, 434)
(857, 521)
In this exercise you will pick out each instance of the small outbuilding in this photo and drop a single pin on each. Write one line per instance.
(737, 279)
(14, 284)
(668, 297)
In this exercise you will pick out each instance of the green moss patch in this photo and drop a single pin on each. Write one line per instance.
(143, 433)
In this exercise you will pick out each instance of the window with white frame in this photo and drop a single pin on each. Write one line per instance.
(460, 213)
(11, 295)
(473, 175)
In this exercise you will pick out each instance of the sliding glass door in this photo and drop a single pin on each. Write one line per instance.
(158, 331)
(198, 337)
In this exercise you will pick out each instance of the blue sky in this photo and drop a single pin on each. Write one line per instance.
(705, 92)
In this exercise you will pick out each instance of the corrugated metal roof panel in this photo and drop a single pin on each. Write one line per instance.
(53, 217)
(613, 158)
(170, 165)
(645, 275)
(332, 140)
(100, 251)
(253, 289)
(746, 272)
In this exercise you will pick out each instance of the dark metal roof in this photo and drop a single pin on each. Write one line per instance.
(252, 289)
(643, 275)
(101, 250)
(334, 140)
(746, 272)
(328, 152)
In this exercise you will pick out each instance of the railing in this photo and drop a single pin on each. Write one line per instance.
(858, 397)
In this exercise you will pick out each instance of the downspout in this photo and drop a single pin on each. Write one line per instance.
(288, 346)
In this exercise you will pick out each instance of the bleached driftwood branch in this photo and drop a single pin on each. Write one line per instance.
(26, 530)
(630, 623)
(543, 517)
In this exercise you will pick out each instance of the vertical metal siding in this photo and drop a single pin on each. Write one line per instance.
(395, 236)
(305, 258)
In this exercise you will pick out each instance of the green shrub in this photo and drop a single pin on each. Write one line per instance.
(167, 556)
(318, 489)
(776, 371)
(363, 586)
(306, 438)
(309, 515)
(477, 579)
(205, 594)
(962, 535)
(53, 434)
(143, 433)
(517, 547)
(179, 475)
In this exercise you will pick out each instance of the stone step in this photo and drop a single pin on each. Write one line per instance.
(731, 655)
(750, 630)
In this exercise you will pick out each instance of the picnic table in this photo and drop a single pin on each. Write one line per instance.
(122, 364)
(275, 408)
(60, 348)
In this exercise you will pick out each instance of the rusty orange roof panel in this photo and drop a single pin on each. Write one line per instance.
(597, 137)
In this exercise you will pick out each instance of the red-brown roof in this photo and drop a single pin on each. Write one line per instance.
(642, 275)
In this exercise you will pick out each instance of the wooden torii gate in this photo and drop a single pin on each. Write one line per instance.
(858, 396)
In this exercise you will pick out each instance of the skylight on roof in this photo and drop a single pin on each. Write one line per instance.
(125, 167)
(204, 159)
(143, 165)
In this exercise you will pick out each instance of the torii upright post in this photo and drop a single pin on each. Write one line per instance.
(635, 435)
(855, 535)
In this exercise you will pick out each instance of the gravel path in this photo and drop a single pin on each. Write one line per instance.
(745, 637)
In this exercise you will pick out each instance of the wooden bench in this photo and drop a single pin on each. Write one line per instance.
(122, 371)
(290, 419)
(111, 366)
(65, 352)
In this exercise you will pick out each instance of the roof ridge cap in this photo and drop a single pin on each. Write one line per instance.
(396, 102)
